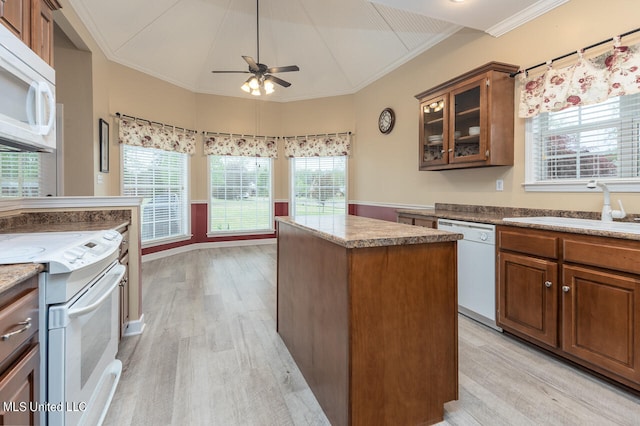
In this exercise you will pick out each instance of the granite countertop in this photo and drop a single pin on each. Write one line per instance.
(360, 232)
(11, 275)
(495, 215)
(67, 226)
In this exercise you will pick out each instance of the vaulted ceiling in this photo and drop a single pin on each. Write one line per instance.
(340, 45)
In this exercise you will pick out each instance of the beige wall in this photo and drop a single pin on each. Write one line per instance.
(382, 176)
(384, 168)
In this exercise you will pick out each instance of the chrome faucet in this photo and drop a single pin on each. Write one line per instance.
(607, 214)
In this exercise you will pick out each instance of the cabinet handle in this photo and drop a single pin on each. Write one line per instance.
(450, 149)
(548, 284)
(123, 282)
(566, 288)
(443, 151)
(26, 323)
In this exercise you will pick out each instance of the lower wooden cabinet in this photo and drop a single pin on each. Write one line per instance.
(575, 295)
(19, 390)
(19, 354)
(601, 319)
(528, 296)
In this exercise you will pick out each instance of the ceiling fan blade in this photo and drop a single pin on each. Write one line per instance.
(230, 72)
(253, 66)
(280, 81)
(288, 68)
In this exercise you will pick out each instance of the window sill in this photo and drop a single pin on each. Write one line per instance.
(239, 233)
(614, 185)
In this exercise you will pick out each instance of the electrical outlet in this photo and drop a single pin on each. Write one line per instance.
(99, 179)
(499, 185)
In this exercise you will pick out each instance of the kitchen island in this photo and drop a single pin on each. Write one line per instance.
(368, 310)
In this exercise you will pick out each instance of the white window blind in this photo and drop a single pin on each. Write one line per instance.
(599, 141)
(160, 177)
(27, 174)
(240, 194)
(318, 185)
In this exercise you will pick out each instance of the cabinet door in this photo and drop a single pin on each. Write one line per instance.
(18, 388)
(434, 131)
(600, 319)
(42, 30)
(528, 296)
(467, 127)
(14, 14)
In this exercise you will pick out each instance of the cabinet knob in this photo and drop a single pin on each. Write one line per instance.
(566, 288)
(548, 284)
(443, 151)
(450, 149)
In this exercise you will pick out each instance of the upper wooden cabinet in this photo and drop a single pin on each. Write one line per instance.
(32, 22)
(468, 121)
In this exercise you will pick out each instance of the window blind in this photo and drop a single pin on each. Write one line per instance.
(319, 185)
(598, 141)
(27, 174)
(160, 178)
(240, 194)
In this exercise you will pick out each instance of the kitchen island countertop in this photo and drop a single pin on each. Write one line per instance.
(12, 275)
(360, 232)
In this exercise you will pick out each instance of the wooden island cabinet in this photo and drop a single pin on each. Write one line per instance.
(368, 310)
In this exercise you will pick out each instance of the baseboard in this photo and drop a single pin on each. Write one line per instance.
(197, 246)
(135, 327)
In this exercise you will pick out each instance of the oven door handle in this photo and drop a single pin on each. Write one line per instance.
(117, 273)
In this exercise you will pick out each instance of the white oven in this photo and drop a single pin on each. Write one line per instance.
(79, 330)
(28, 101)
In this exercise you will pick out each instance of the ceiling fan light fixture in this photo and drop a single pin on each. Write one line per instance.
(254, 83)
(255, 92)
(245, 87)
(268, 86)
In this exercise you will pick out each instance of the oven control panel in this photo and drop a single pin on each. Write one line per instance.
(88, 251)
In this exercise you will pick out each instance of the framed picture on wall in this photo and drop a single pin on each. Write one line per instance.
(104, 146)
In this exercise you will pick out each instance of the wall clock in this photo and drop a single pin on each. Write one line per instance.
(386, 120)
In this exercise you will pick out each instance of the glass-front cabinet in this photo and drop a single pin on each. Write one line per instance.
(468, 121)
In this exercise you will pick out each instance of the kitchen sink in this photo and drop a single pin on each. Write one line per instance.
(572, 222)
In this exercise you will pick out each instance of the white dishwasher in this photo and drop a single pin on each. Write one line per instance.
(476, 269)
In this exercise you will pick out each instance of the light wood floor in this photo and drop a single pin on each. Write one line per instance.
(210, 355)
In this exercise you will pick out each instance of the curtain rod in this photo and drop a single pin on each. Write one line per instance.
(319, 134)
(204, 132)
(566, 55)
(155, 122)
(275, 137)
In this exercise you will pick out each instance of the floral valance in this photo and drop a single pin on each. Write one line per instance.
(240, 145)
(156, 135)
(333, 145)
(588, 81)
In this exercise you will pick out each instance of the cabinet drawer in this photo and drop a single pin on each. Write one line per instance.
(405, 219)
(618, 255)
(427, 222)
(22, 314)
(529, 242)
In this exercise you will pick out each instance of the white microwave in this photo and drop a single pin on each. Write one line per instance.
(27, 98)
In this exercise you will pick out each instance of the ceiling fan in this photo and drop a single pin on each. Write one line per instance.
(262, 79)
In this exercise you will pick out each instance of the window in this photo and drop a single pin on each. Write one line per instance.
(160, 178)
(574, 145)
(319, 185)
(27, 174)
(240, 194)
